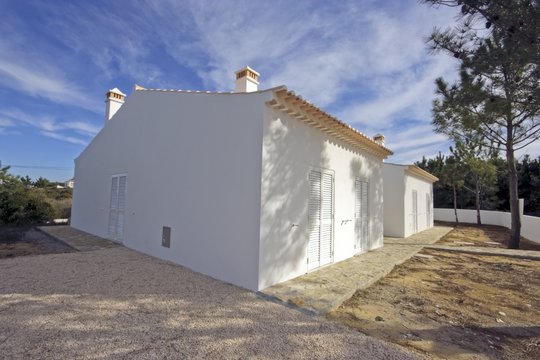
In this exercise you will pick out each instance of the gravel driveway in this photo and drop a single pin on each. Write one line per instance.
(118, 303)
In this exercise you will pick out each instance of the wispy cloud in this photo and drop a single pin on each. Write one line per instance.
(5, 126)
(66, 138)
(50, 127)
(82, 128)
(35, 82)
(405, 95)
(5, 123)
(365, 62)
(118, 41)
(367, 65)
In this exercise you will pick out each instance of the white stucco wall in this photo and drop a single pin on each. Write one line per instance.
(422, 187)
(194, 163)
(290, 150)
(394, 197)
(399, 185)
(469, 216)
(530, 228)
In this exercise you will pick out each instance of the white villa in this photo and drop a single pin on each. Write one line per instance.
(252, 187)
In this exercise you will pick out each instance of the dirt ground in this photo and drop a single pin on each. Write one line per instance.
(485, 236)
(22, 241)
(454, 305)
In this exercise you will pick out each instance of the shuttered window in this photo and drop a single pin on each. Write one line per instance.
(320, 218)
(415, 211)
(428, 210)
(117, 207)
(327, 217)
(361, 215)
(314, 219)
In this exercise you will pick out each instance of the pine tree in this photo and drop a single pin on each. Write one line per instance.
(497, 97)
(480, 166)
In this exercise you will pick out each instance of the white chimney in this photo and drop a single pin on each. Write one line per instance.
(113, 100)
(247, 80)
(379, 139)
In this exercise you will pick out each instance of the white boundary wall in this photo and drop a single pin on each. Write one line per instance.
(530, 225)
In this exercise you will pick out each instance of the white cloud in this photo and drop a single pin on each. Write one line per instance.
(65, 138)
(5, 126)
(321, 52)
(411, 143)
(408, 94)
(533, 149)
(6, 122)
(118, 40)
(81, 127)
(37, 83)
(366, 62)
(413, 155)
(50, 127)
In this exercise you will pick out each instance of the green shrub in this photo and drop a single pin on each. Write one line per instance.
(20, 204)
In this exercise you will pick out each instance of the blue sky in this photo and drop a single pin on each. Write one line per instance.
(363, 61)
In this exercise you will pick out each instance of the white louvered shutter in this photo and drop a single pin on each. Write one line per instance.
(327, 218)
(113, 213)
(117, 207)
(122, 188)
(362, 242)
(366, 244)
(415, 211)
(320, 219)
(314, 219)
(358, 215)
(428, 210)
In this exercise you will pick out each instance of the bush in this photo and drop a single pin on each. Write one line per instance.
(21, 207)
(20, 204)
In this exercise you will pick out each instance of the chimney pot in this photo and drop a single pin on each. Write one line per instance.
(113, 100)
(247, 80)
(379, 139)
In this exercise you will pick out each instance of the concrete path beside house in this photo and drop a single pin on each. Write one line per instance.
(322, 290)
(77, 239)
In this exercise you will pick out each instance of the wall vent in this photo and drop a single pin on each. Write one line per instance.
(166, 237)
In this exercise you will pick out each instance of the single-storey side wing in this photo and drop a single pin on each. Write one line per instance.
(408, 200)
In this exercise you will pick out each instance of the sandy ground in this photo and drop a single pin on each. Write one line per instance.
(22, 241)
(455, 306)
(489, 236)
(117, 303)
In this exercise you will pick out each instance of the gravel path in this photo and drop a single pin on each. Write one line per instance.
(118, 303)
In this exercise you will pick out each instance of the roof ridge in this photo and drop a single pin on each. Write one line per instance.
(140, 88)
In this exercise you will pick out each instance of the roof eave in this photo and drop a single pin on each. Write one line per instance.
(301, 109)
(415, 170)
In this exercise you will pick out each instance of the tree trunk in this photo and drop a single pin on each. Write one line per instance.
(515, 231)
(455, 203)
(478, 217)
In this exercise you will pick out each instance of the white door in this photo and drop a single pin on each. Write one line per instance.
(415, 211)
(117, 207)
(361, 216)
(428, 211)
(320, 219)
